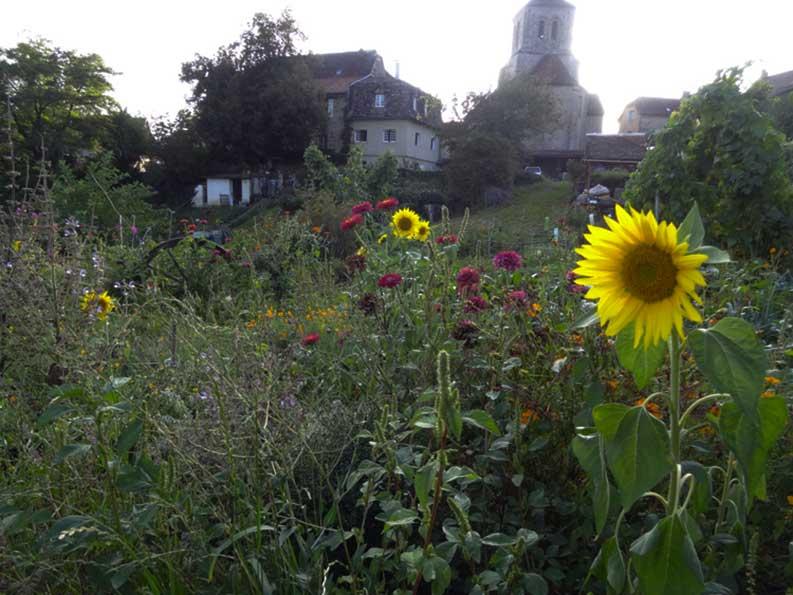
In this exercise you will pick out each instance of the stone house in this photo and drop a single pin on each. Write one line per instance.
(541, 47)
(781, 84)
(647, 114)
(377, 111)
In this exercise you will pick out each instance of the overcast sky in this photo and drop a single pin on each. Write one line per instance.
(627, 48)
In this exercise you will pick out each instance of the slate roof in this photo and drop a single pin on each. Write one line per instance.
(780, 83)
(628, 148)
(655, 106)
(336, 72)
(398, 101)
(551, 70)
(594, 107)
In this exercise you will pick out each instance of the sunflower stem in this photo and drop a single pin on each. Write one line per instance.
(674, 414)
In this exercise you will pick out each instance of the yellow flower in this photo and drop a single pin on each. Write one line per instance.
(382, 238)
(790, 500)
(528, 416)
(769, 394)
(16, 245)
(640, 272)
(652, 408)
(534, 310)
(100, 304)
(404, 223)
(423, 231)
(772, 380)
(361, 251)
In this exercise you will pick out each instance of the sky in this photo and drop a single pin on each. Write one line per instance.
(626, 48)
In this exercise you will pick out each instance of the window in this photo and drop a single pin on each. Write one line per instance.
(631, 114)
(361, 136)
(432, 143)
(555, 31)
(541, 32)
(415, 104)
(416, 139)
(516, 40)
(389, 135)
(379, 100)
(331, 106)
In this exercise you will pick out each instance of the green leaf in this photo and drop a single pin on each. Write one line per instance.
(640, 361)
(601, 500)
(442, 575)
(586, 450)
(535, 584)
(731, 357)
(482, 419)
(751, 440)
(71, 450)
(609, 566)
(638, 455)
(129, 437)
(715, 255)
(692, 230)
(700, 499)
(400, 518)
(52, 413)
(233, 539)
(586, 320)
(499, 540)
(608, 418)
(422, 481)
(666, 561)
(454, 420)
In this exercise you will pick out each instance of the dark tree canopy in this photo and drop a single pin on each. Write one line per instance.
(256, 99)
(722, 151)
(59, 99)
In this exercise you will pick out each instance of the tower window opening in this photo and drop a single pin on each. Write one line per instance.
(555, 31)
(541, 32)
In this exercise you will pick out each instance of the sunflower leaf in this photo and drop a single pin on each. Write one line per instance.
(692, 229)
(641, 362)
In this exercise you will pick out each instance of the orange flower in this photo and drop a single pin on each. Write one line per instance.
(528, 416)
(715, 411)
(790, 500)
(651, 407)
(612, 384)
(316, 229)
(772, 380)
(577, 338)
(768, 394)
(534, 310)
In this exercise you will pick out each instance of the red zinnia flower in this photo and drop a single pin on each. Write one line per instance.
(509, 261)
(310, 339)
(443, 240)
(387, 203)
(467, 280)
(390, 280)
(517, 299)
(362, 207)
(351, 222)
(475, 304)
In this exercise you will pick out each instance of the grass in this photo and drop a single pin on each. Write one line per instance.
(522, 223)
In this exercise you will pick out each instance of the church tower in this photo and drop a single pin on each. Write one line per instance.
(542, 28)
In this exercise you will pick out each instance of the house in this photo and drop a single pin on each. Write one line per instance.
(236, 188)
(781, 84)
(369, 107)
(541, 47)
(647, 114)
(611, 151)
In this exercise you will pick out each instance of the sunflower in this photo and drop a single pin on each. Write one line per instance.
(404, 223)
(640, 272)
(100, 304)
(423, 231)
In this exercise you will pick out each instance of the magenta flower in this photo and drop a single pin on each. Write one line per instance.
(509, 261)
(351, 222)
(362, 207)
(390, 280)
(475, 304)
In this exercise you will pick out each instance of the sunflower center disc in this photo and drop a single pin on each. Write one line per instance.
(649, 274)
(404, 224)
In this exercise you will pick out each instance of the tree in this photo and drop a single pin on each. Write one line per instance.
(129, 138)
(722, 151)
(487, 144)
(782, 112)
(59, 99)
(256, 100)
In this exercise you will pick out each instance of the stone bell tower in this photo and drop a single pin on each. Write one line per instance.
(542, 28)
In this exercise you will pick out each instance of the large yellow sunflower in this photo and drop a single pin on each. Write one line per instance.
(640, 272)
(404, 223)
(99, 304)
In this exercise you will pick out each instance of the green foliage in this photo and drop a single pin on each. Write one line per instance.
(782, 112)
(722, 152)
(256, 99)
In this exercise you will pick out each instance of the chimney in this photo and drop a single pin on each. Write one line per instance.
(396, 69)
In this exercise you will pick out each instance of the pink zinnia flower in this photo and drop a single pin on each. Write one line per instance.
(509, 261)
(133, 230)
(443, 240)
(362, 207)
(475, 304)
(310, 339)
(517, 299)
(390, 280)
(351, 222)
(387, 203)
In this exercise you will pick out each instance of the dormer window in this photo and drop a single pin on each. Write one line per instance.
(379, 100)
(415, 104)
(541, 31)
(555, 31)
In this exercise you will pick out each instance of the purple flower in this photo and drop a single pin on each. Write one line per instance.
(509, 261)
